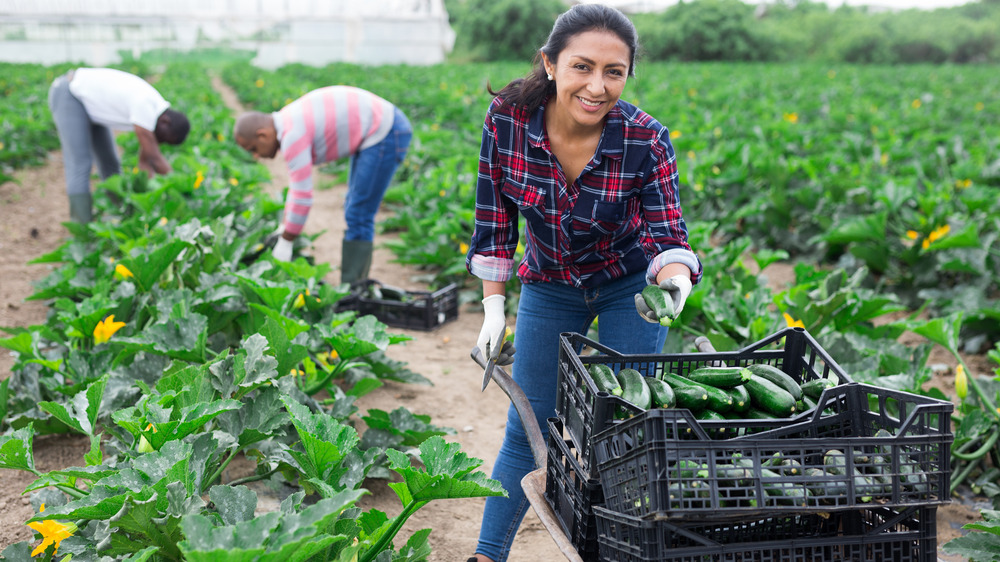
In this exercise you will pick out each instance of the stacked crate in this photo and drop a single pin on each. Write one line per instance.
(868, 466)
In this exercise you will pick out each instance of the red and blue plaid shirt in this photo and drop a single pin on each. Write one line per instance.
(621, 216)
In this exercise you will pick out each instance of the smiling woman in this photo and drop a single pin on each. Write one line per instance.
(596, 180)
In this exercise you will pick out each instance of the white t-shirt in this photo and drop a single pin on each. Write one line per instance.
(117, 99)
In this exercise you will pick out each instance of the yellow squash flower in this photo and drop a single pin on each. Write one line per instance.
(53, 532)
(675, 134)
(259, 83)
(961, 383)
(198, 179)
(106, 328)
(123, 271)
(792, 323)
(463, 248)
(935, 235)
(234, 181)
(791, 117)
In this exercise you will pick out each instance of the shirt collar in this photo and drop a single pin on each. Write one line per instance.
(612, 139)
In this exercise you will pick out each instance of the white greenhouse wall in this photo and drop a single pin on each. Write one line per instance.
(314, 32)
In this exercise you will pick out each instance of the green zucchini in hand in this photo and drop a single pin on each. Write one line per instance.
(657, 301)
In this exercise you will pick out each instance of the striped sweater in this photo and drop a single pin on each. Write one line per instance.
(325, 125)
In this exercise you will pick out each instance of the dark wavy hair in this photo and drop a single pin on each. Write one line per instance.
(531, 91)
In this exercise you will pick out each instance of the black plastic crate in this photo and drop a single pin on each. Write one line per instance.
(893, 449)
(416, 310)
(587, 411)
(571, 492)
(865, 535)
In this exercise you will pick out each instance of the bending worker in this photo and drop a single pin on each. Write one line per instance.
(86, 105)
(325, 125)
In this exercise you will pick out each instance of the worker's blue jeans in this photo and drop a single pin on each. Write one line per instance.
(371, 171)
(544, 311)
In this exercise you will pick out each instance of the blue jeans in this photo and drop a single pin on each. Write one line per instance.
(371, 170)
(545, 310)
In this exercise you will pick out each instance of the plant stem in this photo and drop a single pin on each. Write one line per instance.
(980, 452)
(218, 472)
(387, 537)
(73, 491)
(961, 475)
(253, 478)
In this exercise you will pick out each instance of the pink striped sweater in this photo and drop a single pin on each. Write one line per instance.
(325, 125)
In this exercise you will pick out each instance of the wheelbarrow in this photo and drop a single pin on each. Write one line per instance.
(533, 483)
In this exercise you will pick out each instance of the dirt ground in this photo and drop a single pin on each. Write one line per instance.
(31, 212)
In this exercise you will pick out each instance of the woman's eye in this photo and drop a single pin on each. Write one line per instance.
(581, 67)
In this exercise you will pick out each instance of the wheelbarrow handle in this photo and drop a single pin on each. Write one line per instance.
(523, 407)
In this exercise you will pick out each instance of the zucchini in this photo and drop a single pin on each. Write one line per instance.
(605, 379)
(720, 377)
(634, 388)
(711, 415)
(814, 388)
(690, 397)
(835, 462)
(662, 393)
(718, 400)
(778, 377)
(657, 301)
(771, 398)
(741, 398)
(825, 486)
(786, 493)
(758, 414)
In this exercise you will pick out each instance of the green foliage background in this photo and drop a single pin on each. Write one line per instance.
(731, 30)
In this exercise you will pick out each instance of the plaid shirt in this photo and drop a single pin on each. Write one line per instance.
(621, 216)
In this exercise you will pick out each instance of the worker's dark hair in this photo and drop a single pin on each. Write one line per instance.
(531, 91)
(175, 129)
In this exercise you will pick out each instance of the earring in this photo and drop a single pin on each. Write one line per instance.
(549, 76)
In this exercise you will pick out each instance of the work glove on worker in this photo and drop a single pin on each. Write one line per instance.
(282, 250)
(677, 289)
(492, 338)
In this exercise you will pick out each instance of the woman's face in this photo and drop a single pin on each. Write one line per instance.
(590, 74)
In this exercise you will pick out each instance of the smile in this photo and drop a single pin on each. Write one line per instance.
(588, 103)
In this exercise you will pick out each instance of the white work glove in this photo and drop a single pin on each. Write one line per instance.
(491, 341)
(677, 288)
(282, 249)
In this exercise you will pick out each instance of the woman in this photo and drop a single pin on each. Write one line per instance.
(596, 181)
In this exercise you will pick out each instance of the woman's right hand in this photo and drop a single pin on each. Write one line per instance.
(491, 340)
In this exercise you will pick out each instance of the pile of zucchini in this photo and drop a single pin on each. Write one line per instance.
(756, 391)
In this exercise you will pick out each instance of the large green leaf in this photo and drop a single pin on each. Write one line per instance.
(81, 411)
(448, 474)
(276, 535)
(178, 338)
(325, 441)
(15, 449)
(147, 267)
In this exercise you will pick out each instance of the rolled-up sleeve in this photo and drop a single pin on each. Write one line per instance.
(495, 235)
(666, 236)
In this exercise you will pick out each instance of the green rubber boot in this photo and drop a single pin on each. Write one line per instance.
(355, 260)
(81, 207)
